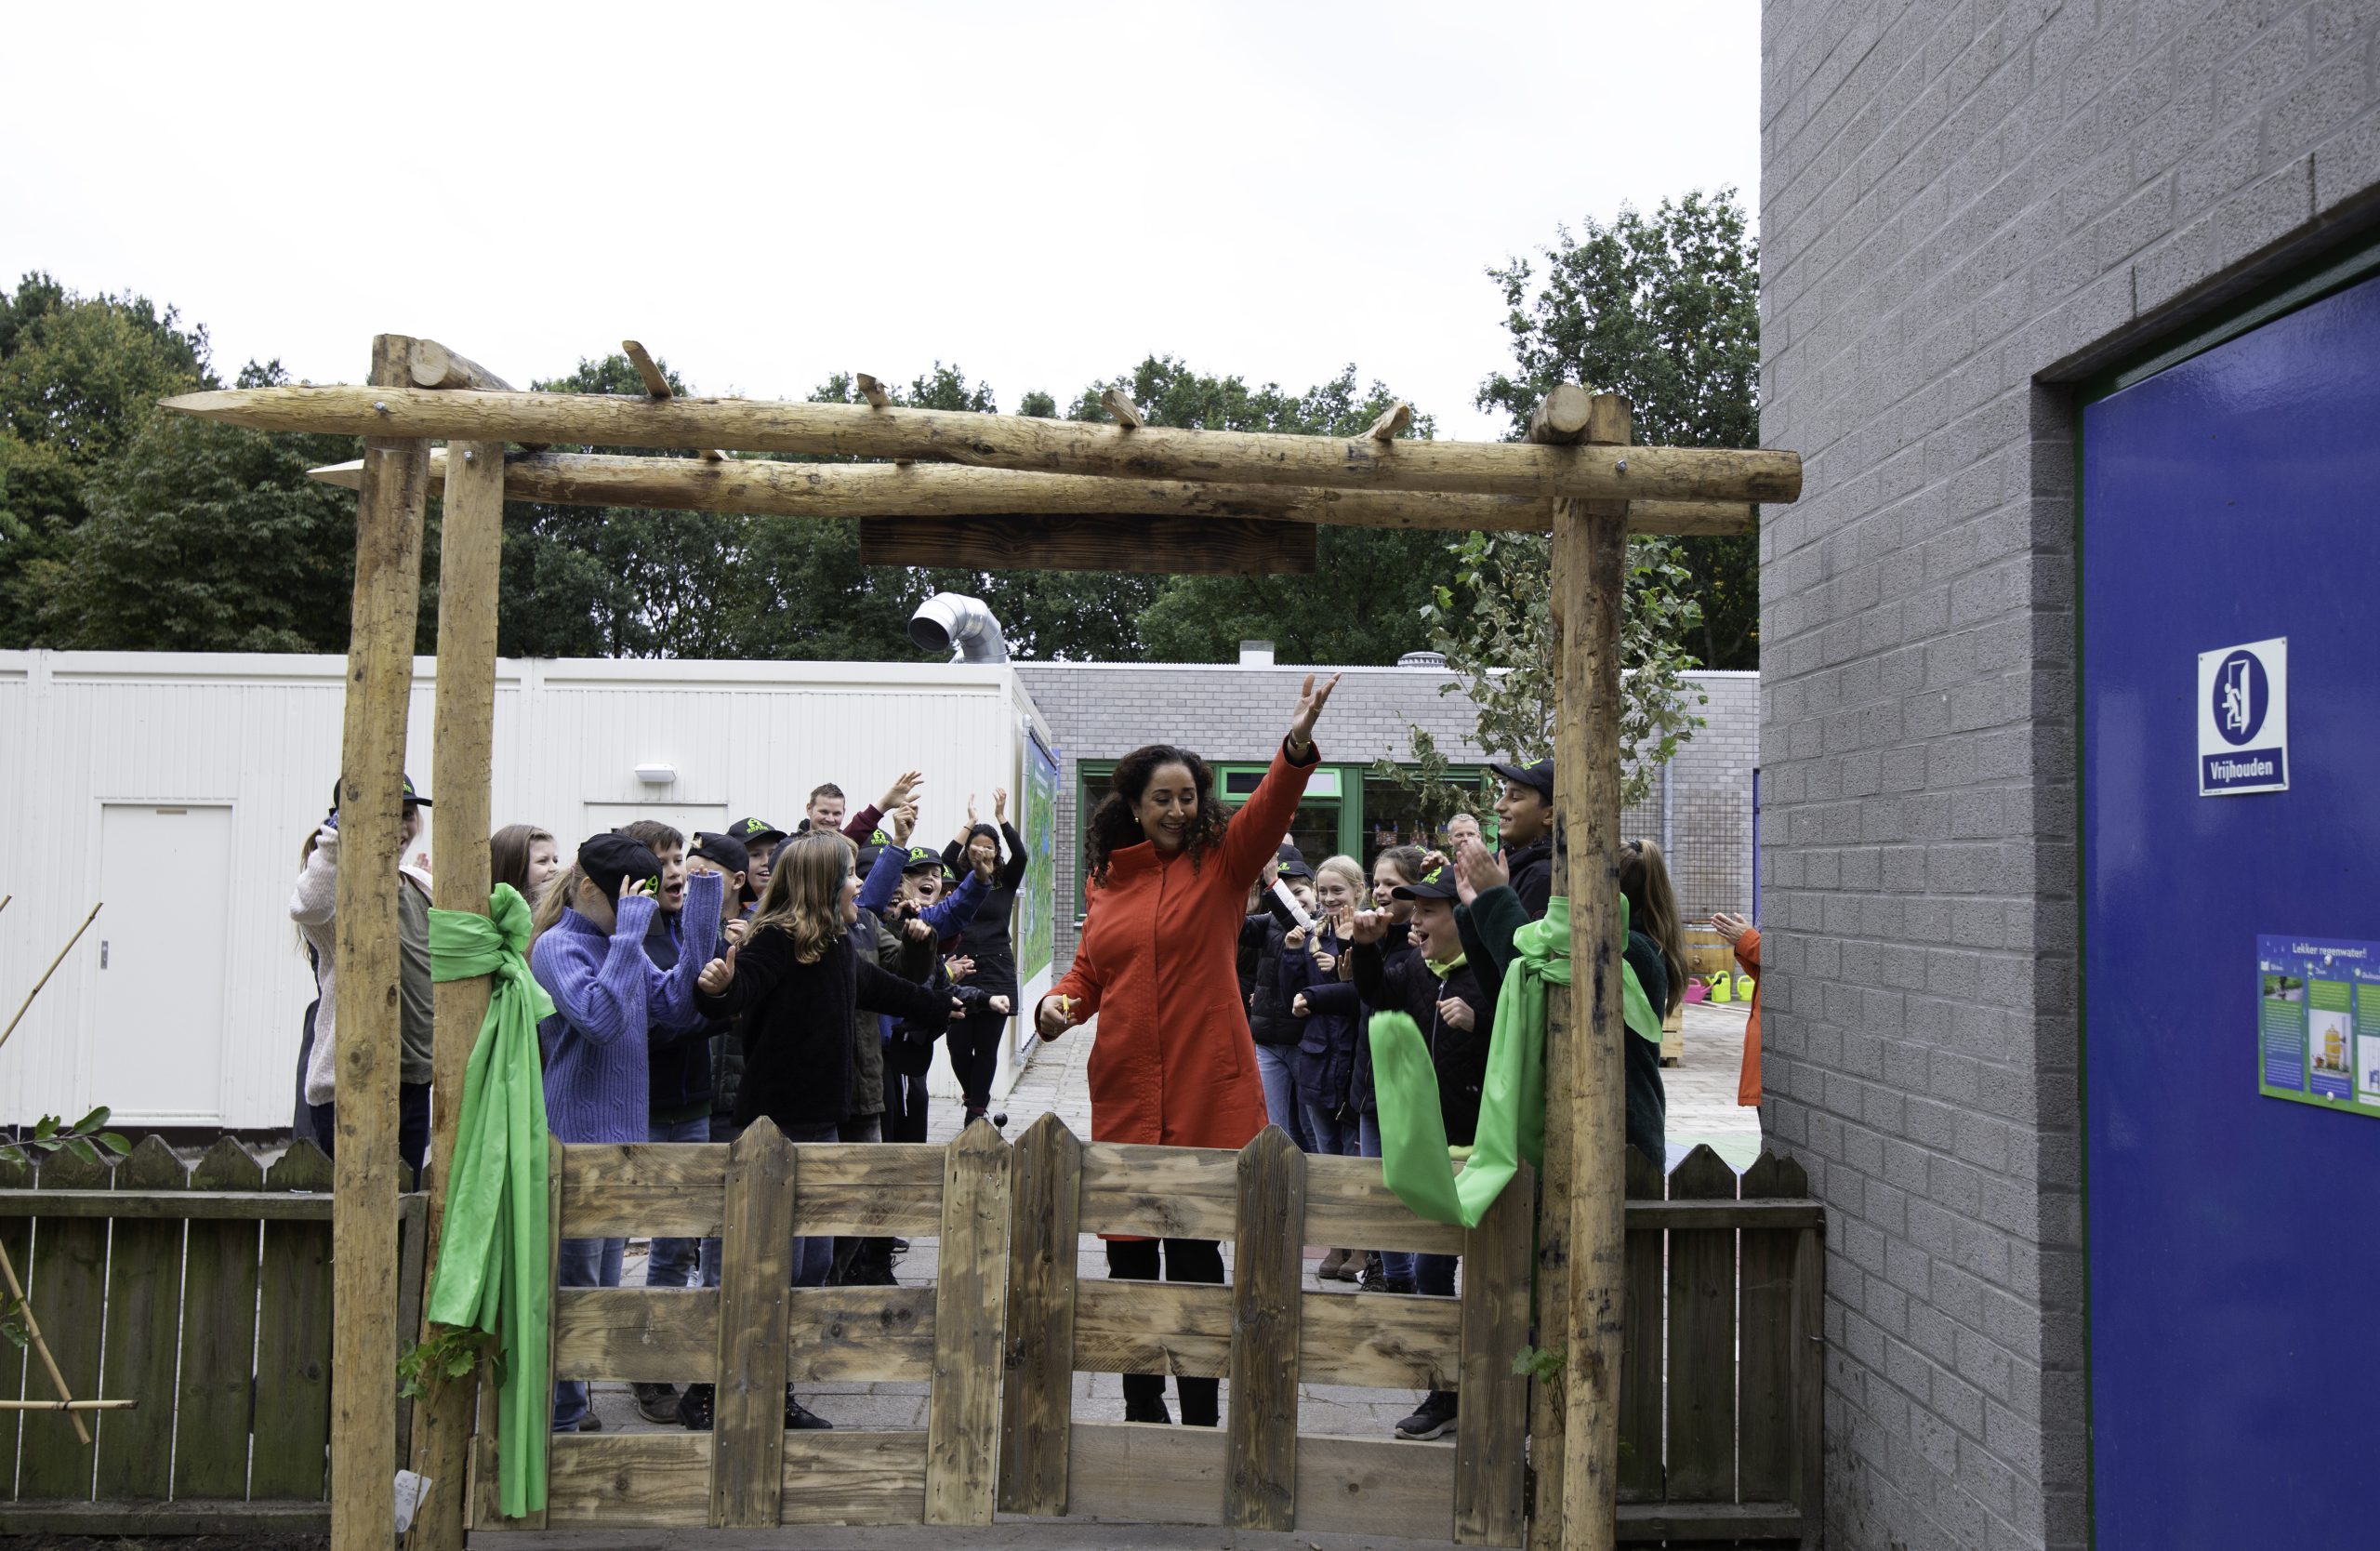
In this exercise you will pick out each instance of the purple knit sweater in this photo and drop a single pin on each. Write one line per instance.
(607, 997)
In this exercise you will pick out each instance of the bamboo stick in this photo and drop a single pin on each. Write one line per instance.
(41, 1347)
(470, 547)
(763, 488)
(363, 1216)
(1590, 572)
(1016, 442)
(67, 1406)
(27, 1005)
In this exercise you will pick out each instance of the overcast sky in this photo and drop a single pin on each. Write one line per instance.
(770, 193)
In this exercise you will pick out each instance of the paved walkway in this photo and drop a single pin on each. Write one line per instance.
(1703, 1108)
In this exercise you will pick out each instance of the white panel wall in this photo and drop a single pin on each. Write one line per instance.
(261, 733)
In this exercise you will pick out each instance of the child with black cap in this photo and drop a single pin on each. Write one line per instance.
(607, 996)
(759, 839)
(1525, 825)
(1436, 985)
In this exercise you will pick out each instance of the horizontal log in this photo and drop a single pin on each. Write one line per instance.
(431, 365)
(1175, 546)
(206, 1205)
(1016, 442)
(765, 488)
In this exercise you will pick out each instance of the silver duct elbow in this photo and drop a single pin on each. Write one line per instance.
(956, 621)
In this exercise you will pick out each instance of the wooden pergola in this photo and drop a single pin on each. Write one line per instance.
(975, 490)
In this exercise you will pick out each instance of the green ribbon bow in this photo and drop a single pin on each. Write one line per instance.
(493, 1274)
(1415, 1160)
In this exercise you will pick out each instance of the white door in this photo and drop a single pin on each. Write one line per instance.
(156, 1038)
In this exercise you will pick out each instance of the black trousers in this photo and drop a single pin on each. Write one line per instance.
(975, 1054)
(904, 1106)
(1185, 1260)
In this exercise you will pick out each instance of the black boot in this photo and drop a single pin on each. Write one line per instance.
(1201, 1401)
(1145, 1399)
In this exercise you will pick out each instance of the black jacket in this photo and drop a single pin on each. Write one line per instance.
(985, 937)
(1326, 1060)
(800, 1022)
(1459, 1056)
(1361, 1095)
(1269, 1018)
(679, 1064)
(1532, 870)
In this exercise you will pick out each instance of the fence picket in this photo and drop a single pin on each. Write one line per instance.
(756, 1253)
(1268, 1262)
(1639, 1475)
(293, 1410)
(1036, 1409)
(16, 1240)
(1493, 1426)
(962, 1414)
(1765, 1458)
(1701, 1460)
(144, 1305)
(218, 1336)
(69, 1272)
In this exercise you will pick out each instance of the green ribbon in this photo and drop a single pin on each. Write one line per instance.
(1415, 1160)
(493, 1274)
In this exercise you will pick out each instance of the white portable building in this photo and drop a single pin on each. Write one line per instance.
(178, 789)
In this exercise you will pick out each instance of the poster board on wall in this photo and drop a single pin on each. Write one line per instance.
(1036, 902)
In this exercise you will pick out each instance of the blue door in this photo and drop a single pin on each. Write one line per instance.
(2234, 1238)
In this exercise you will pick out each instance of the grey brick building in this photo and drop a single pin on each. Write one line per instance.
(1966, 210)
(1700, 806)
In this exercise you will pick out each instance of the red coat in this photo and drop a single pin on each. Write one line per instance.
(1173, 1062)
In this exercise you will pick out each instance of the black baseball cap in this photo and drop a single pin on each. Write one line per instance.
(413, 798)
(1537, 772)
(721, 851)
(1292, 865)
(612, 859)
(755, 832)
(1436, 884)
(918, 858)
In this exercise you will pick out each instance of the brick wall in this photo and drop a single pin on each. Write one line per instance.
(1103, 710)
(1965, 207)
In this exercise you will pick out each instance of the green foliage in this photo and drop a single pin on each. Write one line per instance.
(87, 1139)
(1429, 780)
(1540, 1366)
(450, 1353)
(1362, 604)
(1665, 309)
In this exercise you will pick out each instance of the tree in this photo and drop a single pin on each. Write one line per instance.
(78, 378)
(1665, 309)
(206, 538)
(1363, 602)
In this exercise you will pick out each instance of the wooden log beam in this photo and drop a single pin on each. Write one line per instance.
(1016, 442)
(1175, 546)
(1561, 417)
(1590, 571)
(363, 1216)
(431, 365)
(769, 489)
(657, 387)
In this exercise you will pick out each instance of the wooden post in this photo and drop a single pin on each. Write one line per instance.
(755, 1269)
(1590, 542)
(969, 1307)
(1037, 1404)
(1490, 1432)
(1545, 1402)
(472, 541)
(364, 1221)
(1268, 1260)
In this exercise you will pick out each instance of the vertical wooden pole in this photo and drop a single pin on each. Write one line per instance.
(470, 544)
(364, 1222)
(1044, 1239)
(970, 1330)
(1268, 1256)
(1488, 1446)
(755, 1275)
(1590, 546)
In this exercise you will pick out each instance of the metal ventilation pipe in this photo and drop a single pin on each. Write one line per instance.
(962, 623)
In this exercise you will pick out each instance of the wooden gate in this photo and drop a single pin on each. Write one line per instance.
(1007, 1325)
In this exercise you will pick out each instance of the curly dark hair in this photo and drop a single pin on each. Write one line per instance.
(1113, 825)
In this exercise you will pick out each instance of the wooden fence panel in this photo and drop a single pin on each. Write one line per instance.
(69, 1272)
(144, 1313)
(1492, 1429)
(1702, 1459)
(218, 1336)
(1037, 1408)
(963, 1413)
(1268, 1262)
(17, 1241)
(293, 1405)
(1644, 1276)
(755, 1261)
(1765, 1452)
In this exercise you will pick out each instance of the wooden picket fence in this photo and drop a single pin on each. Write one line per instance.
(1719, 1389)
(204, 1294)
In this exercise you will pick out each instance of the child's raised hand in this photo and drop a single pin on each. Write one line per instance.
(1370, 926)
(716, 975)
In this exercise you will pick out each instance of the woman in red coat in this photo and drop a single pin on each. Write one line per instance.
(1169, 878)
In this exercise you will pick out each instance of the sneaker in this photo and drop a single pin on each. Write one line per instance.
(656, 1402)
(900, 1246)
(800, 1418)
(1433, 1418)
(1375, 1272)
(694, 1408)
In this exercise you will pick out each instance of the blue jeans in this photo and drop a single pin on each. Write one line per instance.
(722, 1129)
(675, 1262)
(1395, 1265)
(1332, 1137)
(1276, 1066)
(814, 1257)
(585, 1262)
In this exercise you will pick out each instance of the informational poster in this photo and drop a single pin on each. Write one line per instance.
(2243, 718)
(2317, 1021)
(1036, 902)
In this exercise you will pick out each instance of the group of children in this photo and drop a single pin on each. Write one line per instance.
(1434, 944)
(702, 983)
